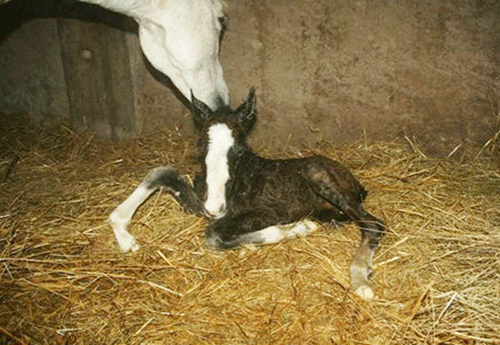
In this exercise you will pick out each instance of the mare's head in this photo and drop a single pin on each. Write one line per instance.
(181, 39)
(221, 131)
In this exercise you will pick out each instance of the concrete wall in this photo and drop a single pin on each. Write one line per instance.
(350, 70)
(346, 70)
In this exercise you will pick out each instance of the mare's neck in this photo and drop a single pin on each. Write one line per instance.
(137, 9)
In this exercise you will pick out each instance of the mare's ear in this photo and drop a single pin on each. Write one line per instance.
(246, 112)
(201, 111)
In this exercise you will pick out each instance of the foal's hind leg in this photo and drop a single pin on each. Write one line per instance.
(159, 177)
(344, 193)
(372, 230)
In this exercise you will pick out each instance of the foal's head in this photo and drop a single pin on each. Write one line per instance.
(220, 131)
(239, 121)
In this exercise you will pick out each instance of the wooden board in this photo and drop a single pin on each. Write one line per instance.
(97, 72)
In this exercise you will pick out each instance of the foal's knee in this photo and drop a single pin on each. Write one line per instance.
(214, 239)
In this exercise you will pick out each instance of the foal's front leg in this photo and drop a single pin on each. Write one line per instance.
(166, 177)
(253, 228)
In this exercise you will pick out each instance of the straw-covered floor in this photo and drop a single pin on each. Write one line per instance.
(64, 280)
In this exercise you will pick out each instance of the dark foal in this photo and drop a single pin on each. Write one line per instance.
(254, 200)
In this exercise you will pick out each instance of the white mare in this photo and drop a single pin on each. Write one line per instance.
(181, 39)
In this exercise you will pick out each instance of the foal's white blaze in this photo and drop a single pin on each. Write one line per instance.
(220, 140)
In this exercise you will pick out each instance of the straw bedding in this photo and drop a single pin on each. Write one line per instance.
(64, 280)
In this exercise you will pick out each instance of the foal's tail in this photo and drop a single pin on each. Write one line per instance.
(173, 182)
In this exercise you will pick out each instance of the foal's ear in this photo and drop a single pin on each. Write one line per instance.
(246, 112)
(201, 111)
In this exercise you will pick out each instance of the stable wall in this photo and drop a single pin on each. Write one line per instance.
(351, 70)
(361, 70)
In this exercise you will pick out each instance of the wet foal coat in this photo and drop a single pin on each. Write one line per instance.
(255, 200)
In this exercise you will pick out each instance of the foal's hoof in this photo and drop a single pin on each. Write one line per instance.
(133, 247)
(365, 292)
(127, 243)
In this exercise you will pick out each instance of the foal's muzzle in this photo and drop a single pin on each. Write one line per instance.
(216, 214)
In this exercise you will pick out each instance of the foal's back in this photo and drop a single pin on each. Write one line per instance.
(292, 187)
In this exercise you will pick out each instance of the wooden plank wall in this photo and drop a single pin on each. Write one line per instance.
(75, 68)
(98, 79)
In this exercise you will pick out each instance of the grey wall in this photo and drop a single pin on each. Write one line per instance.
(346, 70)
(350, 70)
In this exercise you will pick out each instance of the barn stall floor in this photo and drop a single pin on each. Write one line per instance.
(64, 280)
